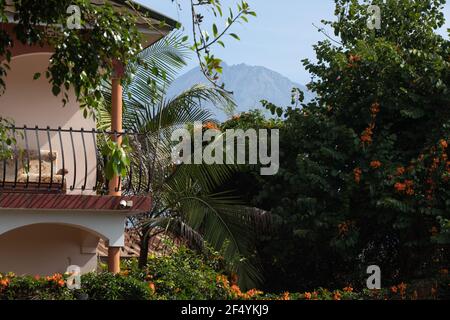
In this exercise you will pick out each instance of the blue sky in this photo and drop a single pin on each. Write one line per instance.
(279, 38)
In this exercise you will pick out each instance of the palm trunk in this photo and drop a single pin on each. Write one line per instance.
(143, 254)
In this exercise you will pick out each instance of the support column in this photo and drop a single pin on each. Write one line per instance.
(114, 259)
(116, 126)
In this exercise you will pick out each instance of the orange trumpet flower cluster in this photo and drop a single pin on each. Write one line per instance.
(375, 164)
(366, 136)
(210, 125)
(57, 278)
(406, 187)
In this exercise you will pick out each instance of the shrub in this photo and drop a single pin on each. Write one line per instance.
(34, 288)
(107, 286)
(182, 275)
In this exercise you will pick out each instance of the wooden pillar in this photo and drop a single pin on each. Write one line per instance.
(116, 126)
(114, 259)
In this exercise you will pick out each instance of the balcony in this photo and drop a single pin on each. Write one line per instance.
(68, 161)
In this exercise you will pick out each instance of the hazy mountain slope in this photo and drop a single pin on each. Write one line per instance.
(250, 84)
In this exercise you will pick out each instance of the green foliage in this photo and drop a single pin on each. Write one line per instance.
(107, 286)
(210, 65)
(30, 288)
(185, 200)
(182, 275)
(7, 139)
(167, 278)
(253, 119)
(117, 158)
(364, 172)
(81, 60)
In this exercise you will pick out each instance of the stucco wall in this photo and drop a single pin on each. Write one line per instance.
(109, 226)
(44, 249)
(30, 102)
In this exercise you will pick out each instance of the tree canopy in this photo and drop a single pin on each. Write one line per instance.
(364, 172)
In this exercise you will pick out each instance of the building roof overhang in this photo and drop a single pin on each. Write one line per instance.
(74, 203)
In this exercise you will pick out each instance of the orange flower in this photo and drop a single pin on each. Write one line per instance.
(357, 174)
(152, 287)
(253, 292)
(400, 171)
(337, 296)
(37, 277)
(61, 283)
(343, 228)
(366, 136)
(406, 187)
(4, 282)
(286, 296)
(394, 289)
(409, 187)
(375, 164)
(375, 108)
(223, 280)
(308, 295)
(443, 144)
(400, 186)
(210, 126)
(354, 58)
(348, 289)
(236, 290)
(402, 288)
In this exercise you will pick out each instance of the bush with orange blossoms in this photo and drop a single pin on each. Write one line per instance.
(109, 286)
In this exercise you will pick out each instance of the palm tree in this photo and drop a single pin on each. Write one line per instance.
(184, 199)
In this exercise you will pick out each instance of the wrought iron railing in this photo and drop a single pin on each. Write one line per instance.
(68, 161)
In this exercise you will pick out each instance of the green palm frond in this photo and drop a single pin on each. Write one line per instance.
(186, 107)
(183, 195)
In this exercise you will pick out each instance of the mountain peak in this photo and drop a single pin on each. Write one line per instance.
(250, 85)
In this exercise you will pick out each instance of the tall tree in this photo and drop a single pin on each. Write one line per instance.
(365, 174)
